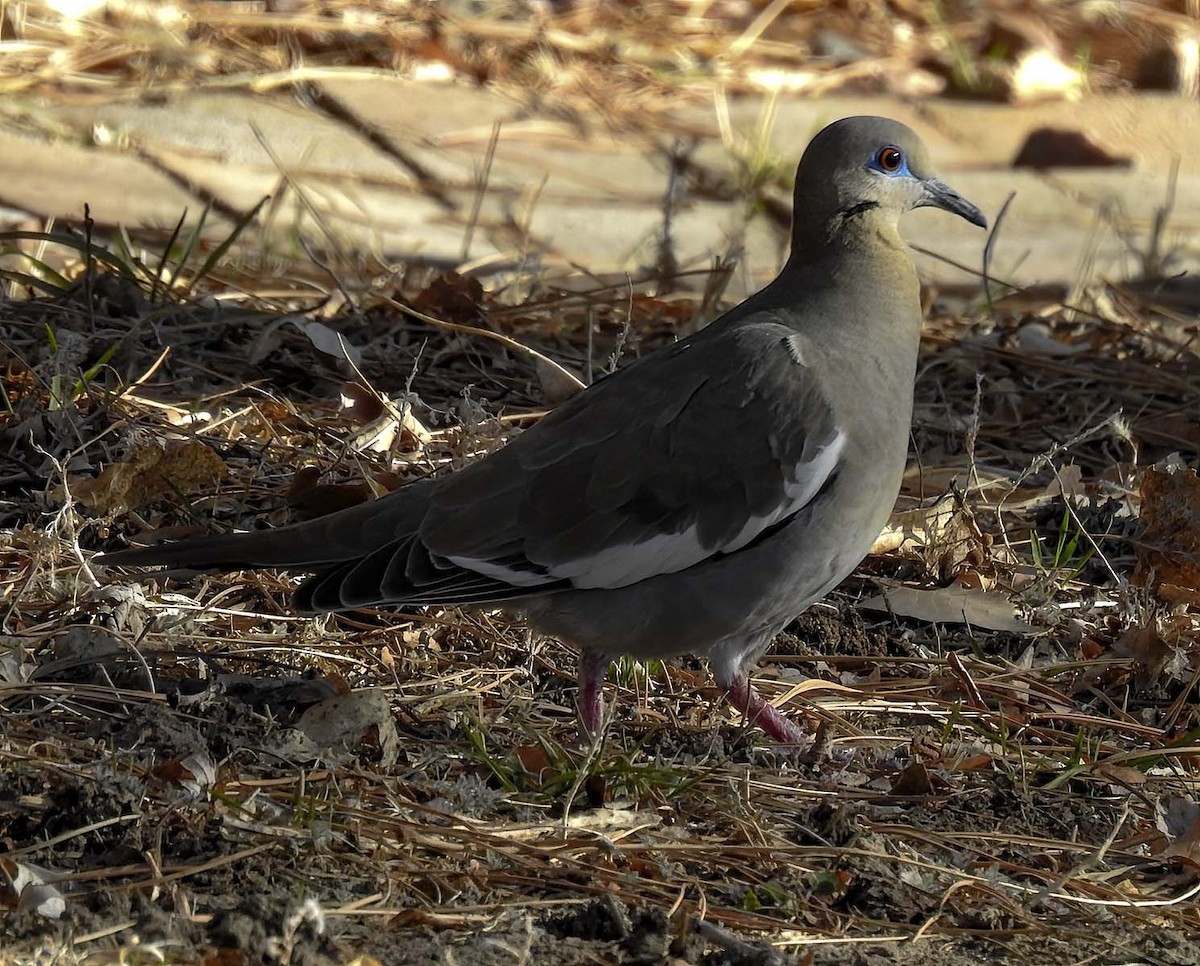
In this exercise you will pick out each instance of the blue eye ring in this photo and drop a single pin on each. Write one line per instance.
(890, 160)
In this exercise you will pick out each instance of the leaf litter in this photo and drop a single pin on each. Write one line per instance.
(1018, 761)
(193, 773)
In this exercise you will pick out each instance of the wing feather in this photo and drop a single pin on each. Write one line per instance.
(688, 454)
(691, 453)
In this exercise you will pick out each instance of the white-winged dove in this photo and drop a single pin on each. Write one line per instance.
(694, 501)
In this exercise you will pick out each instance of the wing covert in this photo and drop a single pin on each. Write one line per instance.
(650, 472)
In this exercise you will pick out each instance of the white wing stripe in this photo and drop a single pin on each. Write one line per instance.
(489, 568)
(668, 553)
(804, 484)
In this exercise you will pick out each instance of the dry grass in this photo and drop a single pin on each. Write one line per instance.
(1005, 788)
(197, 775)
(619, 61)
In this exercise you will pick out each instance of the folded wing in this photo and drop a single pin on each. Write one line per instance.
(692, 453)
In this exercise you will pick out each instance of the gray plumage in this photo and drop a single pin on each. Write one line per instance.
(696, 500)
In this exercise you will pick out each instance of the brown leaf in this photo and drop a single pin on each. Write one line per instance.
(926, 747)
(1169, 547)
(398, 423)
(533, 759)
(173, 772)
(452, 298)
(975, 763)
(149, 473)
(943, 535)
(916, 779)
(360, 403)
(225, 956)
(310, 499)
(1150, 653)
(1121, 775)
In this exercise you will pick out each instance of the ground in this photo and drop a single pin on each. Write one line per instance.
(1004, 693)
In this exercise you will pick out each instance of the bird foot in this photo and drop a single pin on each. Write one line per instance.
(593, 665)
(757, 711)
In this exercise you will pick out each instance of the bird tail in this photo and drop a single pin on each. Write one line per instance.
(312, 545)
(363, 556)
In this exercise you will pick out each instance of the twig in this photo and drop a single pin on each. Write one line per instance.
(486, 334)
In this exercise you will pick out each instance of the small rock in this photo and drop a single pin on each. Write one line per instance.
(1048, 147)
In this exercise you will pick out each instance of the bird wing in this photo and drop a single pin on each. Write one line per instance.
(693, 452)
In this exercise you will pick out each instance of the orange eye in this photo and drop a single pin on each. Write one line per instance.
(889, 159)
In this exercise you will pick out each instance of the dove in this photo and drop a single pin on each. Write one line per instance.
(694, 501)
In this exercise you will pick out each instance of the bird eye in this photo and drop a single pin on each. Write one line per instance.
(890, 159)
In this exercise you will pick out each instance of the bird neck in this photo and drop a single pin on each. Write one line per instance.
(860, 253)
(863, 228)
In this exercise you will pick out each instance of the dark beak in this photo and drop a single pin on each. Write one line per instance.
(938, 194)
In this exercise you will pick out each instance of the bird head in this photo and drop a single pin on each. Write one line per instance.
(871, 168)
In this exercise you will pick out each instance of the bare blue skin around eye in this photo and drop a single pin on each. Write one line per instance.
(900, 172)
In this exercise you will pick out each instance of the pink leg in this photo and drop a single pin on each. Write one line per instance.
(593, 665)
(743, 697)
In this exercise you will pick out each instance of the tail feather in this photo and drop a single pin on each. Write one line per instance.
(339, 537)
(367, 555)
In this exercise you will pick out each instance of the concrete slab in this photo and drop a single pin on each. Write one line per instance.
(570, 187)
(55, 179)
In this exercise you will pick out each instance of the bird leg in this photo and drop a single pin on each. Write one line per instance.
(593, 665)
(757, 711)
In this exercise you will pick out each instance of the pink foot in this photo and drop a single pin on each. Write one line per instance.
(748, 701)
(593, 665)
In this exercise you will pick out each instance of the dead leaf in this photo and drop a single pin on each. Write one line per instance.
(224, 957)
(975, 763)
(360, 403)
(952, 605)
(453, 298)
(1169, 547)
(309, 498)
(1122, 775)
(326, 340)
(1181, 823)
(397, 422)
(915, 780)
(1037, 339)
(533, 759)
(926, 746)
(149, 473)
(944, 535)
(347, 723)
(1150, 653)
(36, 891)
(557, 387)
